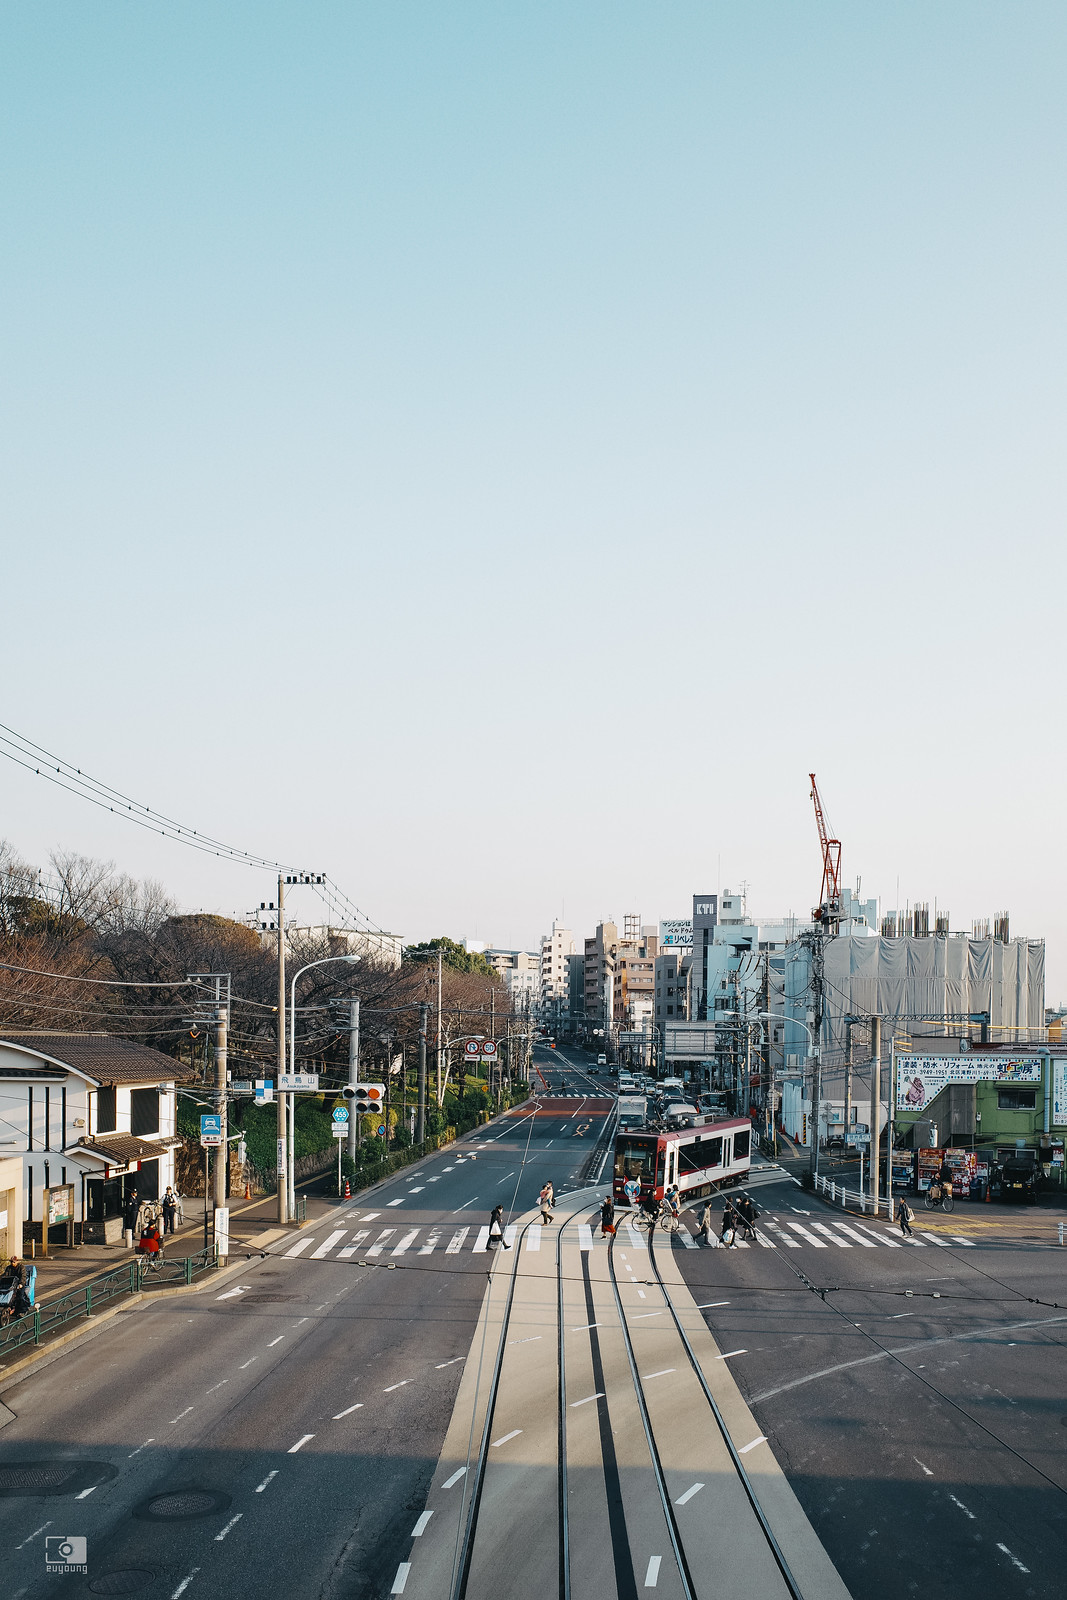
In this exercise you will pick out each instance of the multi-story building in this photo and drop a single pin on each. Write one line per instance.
(619, 974)
(556, 949)
(521, 972)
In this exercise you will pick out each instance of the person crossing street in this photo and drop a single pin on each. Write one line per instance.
(905, 1216)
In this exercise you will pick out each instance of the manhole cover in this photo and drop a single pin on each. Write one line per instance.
(52, 1477)
(125, 1582)
(262, 1298)
(182, 1505)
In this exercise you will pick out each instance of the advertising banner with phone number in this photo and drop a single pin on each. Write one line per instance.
(919, 1078)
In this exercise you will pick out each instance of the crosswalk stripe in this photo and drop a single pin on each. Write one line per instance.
(379, 1244)
(585, 1236)
(327, 1244)
(357, 1239)
(968, 1244)
(635, 1238)
(804, 1234)
(298, 1248)
(455, 1244)
(431, 1244)
(406, 1242)
(868, 1244)
(879, 1238)
(935, 1240)
(766, 1243)
(842, 1244)
(687, 1239)
(533, 1236)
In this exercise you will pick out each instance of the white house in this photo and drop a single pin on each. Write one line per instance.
(90, 1110)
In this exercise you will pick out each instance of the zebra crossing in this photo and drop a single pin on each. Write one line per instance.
(775, 1231)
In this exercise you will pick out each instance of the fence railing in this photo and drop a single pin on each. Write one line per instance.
(33, 1327)
(838, 1195)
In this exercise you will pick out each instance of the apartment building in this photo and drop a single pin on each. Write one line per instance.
(620, 973)
(557, 948)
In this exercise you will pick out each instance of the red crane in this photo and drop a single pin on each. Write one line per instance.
(828, 911)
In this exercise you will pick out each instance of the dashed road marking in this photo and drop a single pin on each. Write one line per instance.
(514, 1434)
(684, 1499)
(299, 1445)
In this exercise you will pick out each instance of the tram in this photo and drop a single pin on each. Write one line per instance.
(699, 1160)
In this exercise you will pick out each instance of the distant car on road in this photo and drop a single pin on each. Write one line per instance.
(601, 1061)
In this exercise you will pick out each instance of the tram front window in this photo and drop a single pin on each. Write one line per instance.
(635, 1158)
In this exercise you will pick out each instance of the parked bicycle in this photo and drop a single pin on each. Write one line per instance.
(938, 1196)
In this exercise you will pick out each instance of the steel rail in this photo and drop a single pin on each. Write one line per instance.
(739, 1466)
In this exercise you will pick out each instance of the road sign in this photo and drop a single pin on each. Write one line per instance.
(242, 1086)
(473, 1047)
(339, 1130)
(290, 1082)
(210, 1131)
(380, 1129)
(264, 1091)
(340, 1113)
(221, 1216)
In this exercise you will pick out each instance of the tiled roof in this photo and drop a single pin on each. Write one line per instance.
(119, 1149)
(102, 1056)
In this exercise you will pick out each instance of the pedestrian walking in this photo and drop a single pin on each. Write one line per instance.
(607, 1216)
(131, 1207)
(496, 1228)
(728, 1231)
(705, 1227)
(546, 1200)
(905, 1216)
(170, 1210)
(747, 1212)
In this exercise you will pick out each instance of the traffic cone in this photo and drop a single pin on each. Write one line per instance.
(348, 1190)
(248, 1191)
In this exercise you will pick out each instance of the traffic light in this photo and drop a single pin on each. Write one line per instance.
(366, 1096)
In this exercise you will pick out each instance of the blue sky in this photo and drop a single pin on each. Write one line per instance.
(495, 452)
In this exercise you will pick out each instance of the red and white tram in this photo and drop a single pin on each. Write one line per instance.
(699, 1160)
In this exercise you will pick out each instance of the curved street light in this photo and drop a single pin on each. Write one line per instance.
(290, 1112)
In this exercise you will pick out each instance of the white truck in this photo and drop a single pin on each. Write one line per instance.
(633, 1111)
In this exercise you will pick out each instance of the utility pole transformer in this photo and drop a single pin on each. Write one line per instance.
(353, 1073)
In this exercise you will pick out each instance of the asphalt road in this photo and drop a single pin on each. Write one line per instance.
(276, 1432)
(916, 1395)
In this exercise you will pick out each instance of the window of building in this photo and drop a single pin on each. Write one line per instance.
(144, 1111)
(670, 1011)
(1016, 1099)
(106, 1110)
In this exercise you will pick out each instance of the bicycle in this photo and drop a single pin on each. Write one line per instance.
(938, 1196)
(149, 1262)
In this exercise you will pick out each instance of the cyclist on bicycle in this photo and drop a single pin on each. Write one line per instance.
(672, 1205)
(650, 1210)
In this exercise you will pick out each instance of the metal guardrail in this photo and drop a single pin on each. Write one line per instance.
(838, 1195)
(131, 1278)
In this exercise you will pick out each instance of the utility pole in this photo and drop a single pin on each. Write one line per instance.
(440, 1088)
(222, 1158)
(353, 1073)
(283, 1174)
(816, 1034)
(424, 1019)
(849, 1024)
(873, 1162)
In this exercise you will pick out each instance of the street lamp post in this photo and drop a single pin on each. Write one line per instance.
(290, 1111)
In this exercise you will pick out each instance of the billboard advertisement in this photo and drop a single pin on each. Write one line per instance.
(919, 1078)
(676, 931)
(1059, 1094)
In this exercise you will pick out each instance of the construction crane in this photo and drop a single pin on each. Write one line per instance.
(828, 912)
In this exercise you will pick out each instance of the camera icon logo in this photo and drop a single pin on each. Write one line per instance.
(65, 1552)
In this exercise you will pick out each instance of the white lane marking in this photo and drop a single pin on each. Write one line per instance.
(420, 1527)
(379, 1244)
(350, 1249)
(436, 1179)
(406, 1242)
(399, 1385)
(186, 1581)
(935, 1240)
(180, 1415)
(348, 1412)
(830, 1234)
(868, 1244)
(455, 1244)
(645, 1376)
(33, 1535)
(967, 1512)
(401, 1577)
(449, 1483)
(432, 1241)
(371, 1216)
(299, 1445)
(585, 1327)
(448, 1169)
(514, 1434)
(245, 1364)
(652, 1572)
(533, 1236)
(745, 1448)
(85, 1493)
(709, 1305)
(505, 1178)
(641, 1315)
(465, 1204)
(534, 1339)
(598, 1396)
(327, 1244)
(419, 1190)
(728, 1353)
(968, 1244)
(261, 1486)
(684, 1499)
(231, 1293)
(1013, 1559)
(298, 1248)
(451, 1363)
(140, 1447)
(231, 1524)
(278, 1340)
(215, 1386)
(399, 1202)
(641, 1294)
